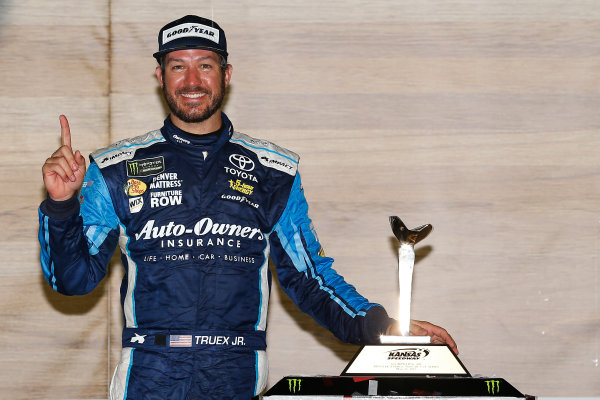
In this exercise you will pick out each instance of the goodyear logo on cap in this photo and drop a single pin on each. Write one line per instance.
(190, 29)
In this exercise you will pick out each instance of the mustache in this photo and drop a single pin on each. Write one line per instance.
(193, 89)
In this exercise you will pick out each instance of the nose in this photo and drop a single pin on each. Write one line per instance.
(192, 77)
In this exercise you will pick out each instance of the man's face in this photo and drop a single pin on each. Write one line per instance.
(193, 84)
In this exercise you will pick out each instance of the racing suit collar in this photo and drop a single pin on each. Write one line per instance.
(209, 142)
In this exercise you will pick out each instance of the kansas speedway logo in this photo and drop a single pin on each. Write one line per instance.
(145, 167)
(408, 354)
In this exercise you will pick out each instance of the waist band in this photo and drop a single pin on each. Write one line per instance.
(156, 338)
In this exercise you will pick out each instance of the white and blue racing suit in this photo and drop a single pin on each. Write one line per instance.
(196, 219)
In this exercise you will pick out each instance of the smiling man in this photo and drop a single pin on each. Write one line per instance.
(197, 209)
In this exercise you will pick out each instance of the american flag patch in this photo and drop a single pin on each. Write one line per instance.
(180, 340)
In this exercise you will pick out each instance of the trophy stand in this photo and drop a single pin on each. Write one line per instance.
(406, 355)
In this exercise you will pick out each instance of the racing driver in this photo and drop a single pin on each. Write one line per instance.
(197, 209)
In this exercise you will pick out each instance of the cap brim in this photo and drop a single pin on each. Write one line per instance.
(161, 53)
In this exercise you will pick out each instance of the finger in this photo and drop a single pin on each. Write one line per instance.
(80, 159)
(64, 166)
(67, 153)
(65, 131)
(59, 168)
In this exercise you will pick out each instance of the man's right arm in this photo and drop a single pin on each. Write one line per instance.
(76, 243)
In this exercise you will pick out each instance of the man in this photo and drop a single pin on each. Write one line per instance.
(196, 208)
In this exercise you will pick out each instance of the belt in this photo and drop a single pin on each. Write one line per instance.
(173, 338)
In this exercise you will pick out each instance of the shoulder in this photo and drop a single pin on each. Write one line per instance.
(125, 149)
(268, 154)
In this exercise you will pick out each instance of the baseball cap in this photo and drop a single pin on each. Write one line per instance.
(191, 32)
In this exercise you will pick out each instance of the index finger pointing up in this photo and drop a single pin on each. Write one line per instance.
(65, 132)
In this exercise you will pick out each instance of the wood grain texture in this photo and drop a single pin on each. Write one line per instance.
(480, 118)
(54, 61)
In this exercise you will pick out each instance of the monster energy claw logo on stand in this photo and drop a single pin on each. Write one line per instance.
(146, 167)
(493, 387)
(294, 385)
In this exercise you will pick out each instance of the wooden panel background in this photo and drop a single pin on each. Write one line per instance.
(478, 117)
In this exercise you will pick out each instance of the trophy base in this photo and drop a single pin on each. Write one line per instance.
(405, 359)
(452, 388)
(391, 339)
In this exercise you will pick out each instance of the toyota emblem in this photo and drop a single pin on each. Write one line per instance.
(242, 162)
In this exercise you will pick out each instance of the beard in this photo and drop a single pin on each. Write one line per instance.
(196, 114)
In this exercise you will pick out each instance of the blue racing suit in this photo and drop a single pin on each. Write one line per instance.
(196, 219)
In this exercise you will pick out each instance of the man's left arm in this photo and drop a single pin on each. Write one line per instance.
(307, 276)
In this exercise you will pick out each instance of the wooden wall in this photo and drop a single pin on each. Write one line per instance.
(481, 118)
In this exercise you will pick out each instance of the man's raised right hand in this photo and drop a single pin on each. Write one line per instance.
(63, 172)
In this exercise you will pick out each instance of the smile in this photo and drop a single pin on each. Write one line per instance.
(193, 95)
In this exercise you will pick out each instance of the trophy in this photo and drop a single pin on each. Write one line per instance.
(406, 262)
(405, 354)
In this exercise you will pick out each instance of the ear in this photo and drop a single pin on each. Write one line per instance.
(159, 75)
(228, 72)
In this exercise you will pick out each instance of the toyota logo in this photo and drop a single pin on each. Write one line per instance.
(242, 162)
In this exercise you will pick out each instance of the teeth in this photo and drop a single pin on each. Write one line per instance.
(192, 95)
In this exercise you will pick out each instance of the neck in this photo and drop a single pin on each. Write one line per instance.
(212, 124)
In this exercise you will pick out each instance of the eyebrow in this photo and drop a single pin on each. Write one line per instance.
(202, 58)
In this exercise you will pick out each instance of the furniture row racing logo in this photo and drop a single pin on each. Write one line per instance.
(408, 354)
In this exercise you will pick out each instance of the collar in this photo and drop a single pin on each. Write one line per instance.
(207, 142)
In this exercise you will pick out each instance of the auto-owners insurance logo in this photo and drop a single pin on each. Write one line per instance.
(242, 162)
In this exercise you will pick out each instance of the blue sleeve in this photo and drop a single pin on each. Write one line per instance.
(307, 276)
(77, 246)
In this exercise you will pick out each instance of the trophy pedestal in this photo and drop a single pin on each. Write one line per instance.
(428, 360)
(391, 371)
(339, 387)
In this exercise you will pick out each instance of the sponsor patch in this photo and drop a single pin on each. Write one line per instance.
(145, 167)
(135, 204)
(134, 187)
(191, 29)
(277, 163)
(238, 186)
(242, 162)
(138, 338)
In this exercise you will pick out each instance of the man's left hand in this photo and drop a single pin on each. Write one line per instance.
(424, 328)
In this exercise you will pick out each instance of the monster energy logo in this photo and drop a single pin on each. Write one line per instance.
(145, 167)
(295, 385)
(493, 387)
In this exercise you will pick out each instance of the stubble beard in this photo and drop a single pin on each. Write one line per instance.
(195, 114)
